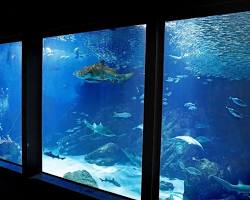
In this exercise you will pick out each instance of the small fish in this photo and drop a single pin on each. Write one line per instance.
(77, 127)
(169, 93)
(190, 170)
(238, 101)
(64, 57)
(192, 108)
(177, 80)
(193, 171)
(142, 96)
(234, 113)
(140, 126)
(50, 154)
(48, 51)
(84, 114)
(201, 126)
(175, 57)
(122, 115)
(137, 89)
(182, 76)
(133, 98)
(188, 104)
(70, 130)
(170, 79)
(78, 54)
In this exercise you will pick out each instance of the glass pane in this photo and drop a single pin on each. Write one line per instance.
(206, 107)
(10, 102)
(93, 95)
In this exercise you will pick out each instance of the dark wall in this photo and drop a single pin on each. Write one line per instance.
(14, 185)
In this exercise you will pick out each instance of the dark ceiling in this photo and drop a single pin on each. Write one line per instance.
(19, 19)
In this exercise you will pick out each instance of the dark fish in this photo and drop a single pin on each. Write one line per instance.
(113, 181)
(101, 72)
(50, 154)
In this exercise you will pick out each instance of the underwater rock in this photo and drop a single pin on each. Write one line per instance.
(10, 150)
(207, 167)
(174, 152)
(166, 185)
(200, 186)
(107, 155)
(81, 176)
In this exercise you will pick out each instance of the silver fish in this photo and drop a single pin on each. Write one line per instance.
(234, 113)
(238, 101)
(122, 115)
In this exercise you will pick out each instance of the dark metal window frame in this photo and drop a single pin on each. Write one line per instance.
(32, 44)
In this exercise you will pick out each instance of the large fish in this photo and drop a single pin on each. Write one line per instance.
(101, 72)
(240, 188)
(113, 181)
(189, 140)
(50, 154)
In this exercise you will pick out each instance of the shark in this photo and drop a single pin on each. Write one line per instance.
(100, 72)
(50, 154)
(113, 181)
(239, 188)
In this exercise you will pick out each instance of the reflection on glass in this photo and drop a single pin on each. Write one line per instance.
(206, 109)
(10, 102)
(93, 95)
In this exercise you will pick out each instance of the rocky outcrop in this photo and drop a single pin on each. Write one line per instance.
(10, 150)
(81, 176)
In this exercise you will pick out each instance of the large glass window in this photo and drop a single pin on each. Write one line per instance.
(206, 108)
(10, 102)
(93, 96)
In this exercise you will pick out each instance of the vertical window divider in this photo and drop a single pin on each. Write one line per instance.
(32, 104)
(152, 109)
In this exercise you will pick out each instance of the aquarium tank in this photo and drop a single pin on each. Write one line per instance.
(10, 102)
(92, 107)
(205, 151)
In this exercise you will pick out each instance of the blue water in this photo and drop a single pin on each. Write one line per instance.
(92, 121)
(94, 126)
(205, 134)
(10, 102)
